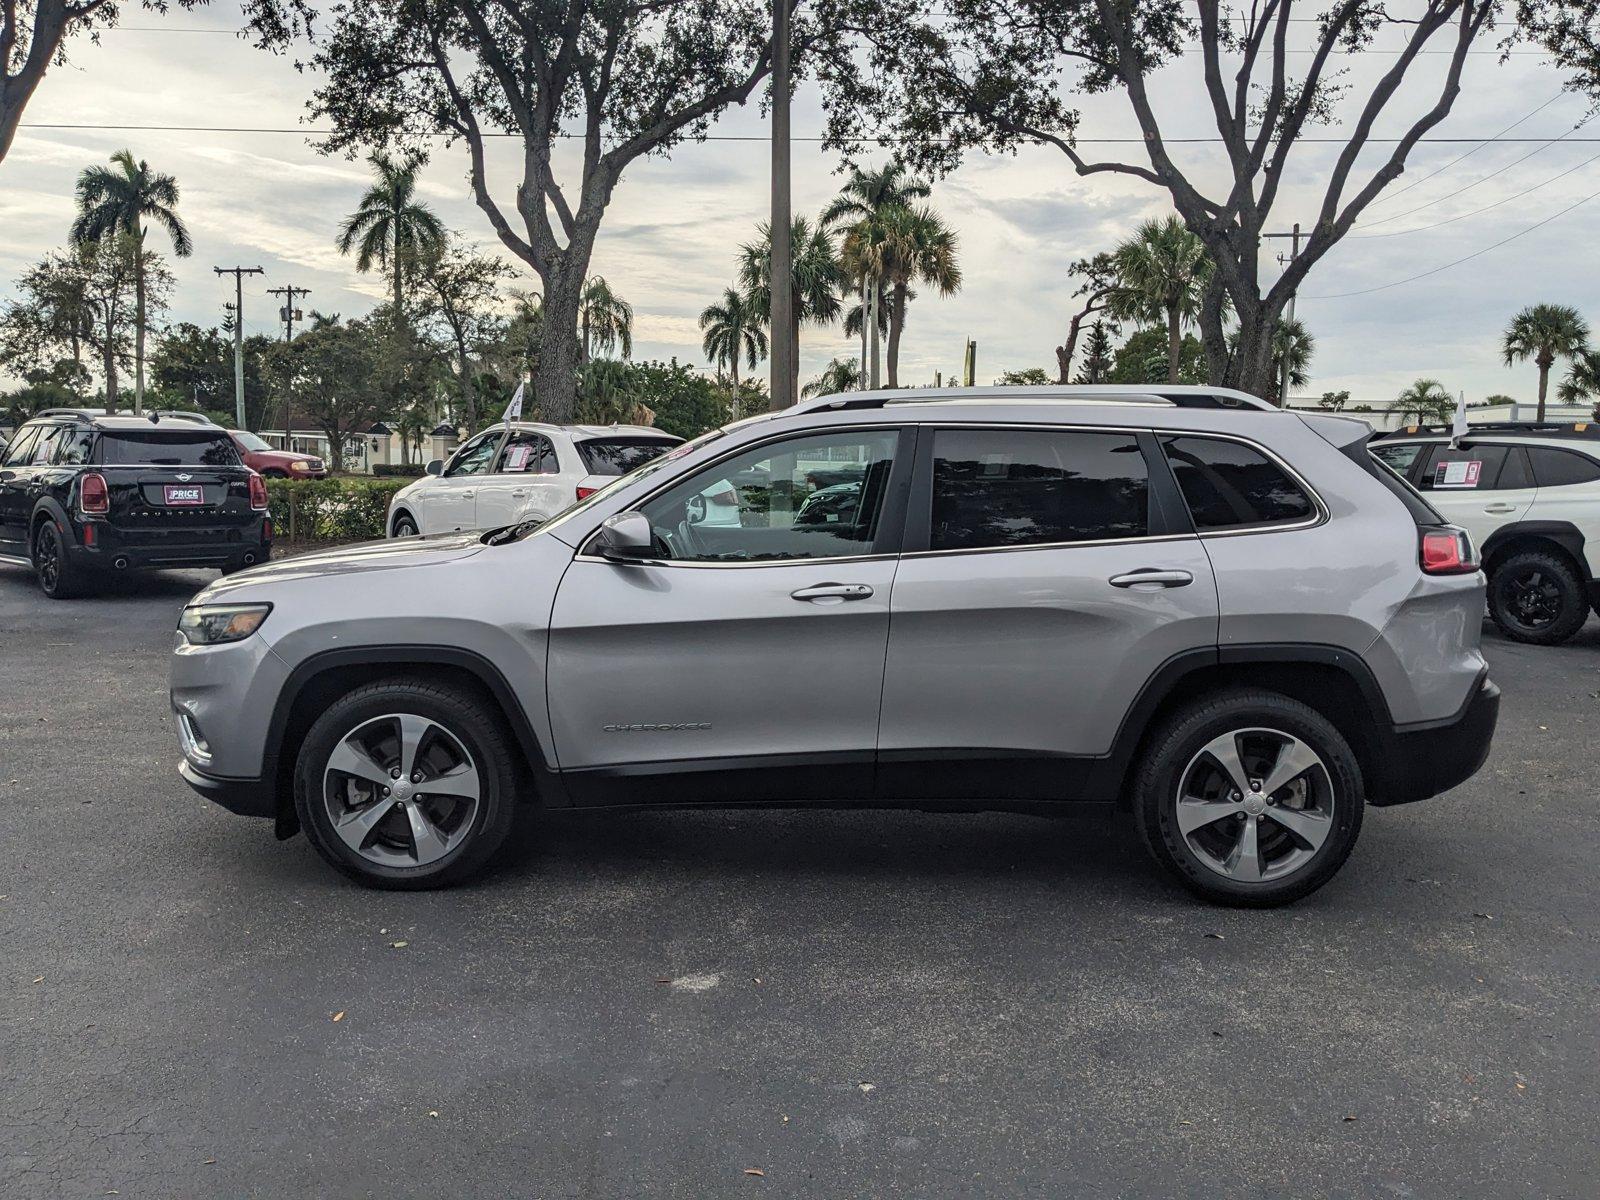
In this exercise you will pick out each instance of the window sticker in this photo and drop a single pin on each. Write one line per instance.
(517, 457)
(1463, 474)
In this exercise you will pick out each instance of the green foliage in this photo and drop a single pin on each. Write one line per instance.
(1427, 402)
(840, 375)
(1334, 401)
(391, 228)
(1031, 377)
(1143, 359)
(672, 396)
(398, 470)
(1497, 399)
(330, 510)
(1097, 354)
(192, 367)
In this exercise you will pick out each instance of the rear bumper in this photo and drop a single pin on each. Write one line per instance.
(1416, 763)
(111, 548)
(246, 797)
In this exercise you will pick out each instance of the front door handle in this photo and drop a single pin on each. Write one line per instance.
(833, 593)
(1152, 577)
(468, 495)
(520, 492)
(1500, 508)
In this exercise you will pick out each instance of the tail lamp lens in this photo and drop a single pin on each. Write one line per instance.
(1448, 551)
(258, 493)
(93, 495)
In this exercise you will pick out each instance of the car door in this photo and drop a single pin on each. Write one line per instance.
(1479, 486)
(1048, 574)
(525, 482)
(747, 661)
(450, 504)
(1569, 491)
(15, 476)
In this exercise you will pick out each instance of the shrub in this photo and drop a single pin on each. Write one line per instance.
(330, 510)
(388, 470)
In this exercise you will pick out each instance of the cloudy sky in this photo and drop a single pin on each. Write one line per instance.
(670, 240)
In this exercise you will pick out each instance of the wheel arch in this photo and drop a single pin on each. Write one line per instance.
(50, 509)
(324, 677)
(1561, 537)
(1329, 679)
(401, 510)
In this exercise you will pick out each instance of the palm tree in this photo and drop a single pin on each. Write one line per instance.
(864, 196)
(814, 278)
(1163, 270)
(840, 375)
(733, 330)
(1544, 333)
(1291, 341)
(1582, 381)
(917, 247)
(113, 203)
(392, 228)
(1428, 401)
(605, 320)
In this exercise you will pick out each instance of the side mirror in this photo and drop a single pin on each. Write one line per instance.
(436, 467)
(626, 537)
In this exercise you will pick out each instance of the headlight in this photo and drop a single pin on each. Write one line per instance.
(213, 624)
(299, 465)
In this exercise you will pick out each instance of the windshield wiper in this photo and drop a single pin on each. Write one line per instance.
(510, 533)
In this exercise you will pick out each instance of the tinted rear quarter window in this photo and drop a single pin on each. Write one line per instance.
(1229, 484)
(618, 456)
(124, 447)
(1008, 487)
(1562, 468)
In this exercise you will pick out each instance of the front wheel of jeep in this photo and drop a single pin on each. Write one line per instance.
(408, 785)
(1250, 797)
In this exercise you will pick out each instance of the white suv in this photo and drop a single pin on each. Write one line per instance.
(1529, 494)
(520, 472)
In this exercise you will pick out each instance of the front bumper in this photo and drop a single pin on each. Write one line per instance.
(1415, 763)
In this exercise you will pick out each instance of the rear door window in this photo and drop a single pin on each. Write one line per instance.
(1470, 468)
(73, 447)
(166, 448)
(21, 451)
(1562, 468)
(529, 454)
(618, 456)
(1229, 485)
(1017, 487)
(1400, 458)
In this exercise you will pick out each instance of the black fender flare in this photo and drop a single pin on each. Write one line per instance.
(1563, 533)
(49, 506)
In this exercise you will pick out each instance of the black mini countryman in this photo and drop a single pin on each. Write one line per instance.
(83, 495)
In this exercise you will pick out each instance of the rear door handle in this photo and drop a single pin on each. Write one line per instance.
(1152, 577)
(833, 593)
(520, 492)
(468, 495)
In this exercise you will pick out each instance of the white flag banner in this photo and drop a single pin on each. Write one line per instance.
(1459, 425)
(514, 409)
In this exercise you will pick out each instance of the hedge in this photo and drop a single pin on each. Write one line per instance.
(330, 510)
(410, 470)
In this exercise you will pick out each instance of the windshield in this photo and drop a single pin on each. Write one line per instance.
(619, 455)
(638, 473)
(190, 448)
(253, 443)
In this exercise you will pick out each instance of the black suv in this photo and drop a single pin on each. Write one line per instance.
(82, 494)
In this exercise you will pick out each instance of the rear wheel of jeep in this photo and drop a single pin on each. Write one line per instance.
(1537, 597)
(407, 785)
(1250, 798)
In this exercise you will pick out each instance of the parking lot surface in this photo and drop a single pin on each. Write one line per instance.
(817, 1004)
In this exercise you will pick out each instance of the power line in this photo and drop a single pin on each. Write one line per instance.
(1477, 211)
(1468, 258)
(1470, 153)
(1484, 179)
(881, 139)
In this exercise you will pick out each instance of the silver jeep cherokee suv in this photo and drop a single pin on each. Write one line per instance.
(1232, 623)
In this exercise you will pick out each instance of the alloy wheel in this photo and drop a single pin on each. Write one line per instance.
(1532, 598)
(47, 557)
(1255, 804)
(401, 790)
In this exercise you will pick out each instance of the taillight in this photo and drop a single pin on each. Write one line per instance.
(584, 493)
(1448, 551)
(266, 529)
(258, 493)
(93, 495)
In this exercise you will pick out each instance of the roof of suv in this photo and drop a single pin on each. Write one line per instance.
(585, 431)
(1175, 395)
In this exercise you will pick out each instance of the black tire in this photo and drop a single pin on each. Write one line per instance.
(1178, 743)
(1536, 596)
(464, 717)
(405, 526)
(59, 577)
(274, 473)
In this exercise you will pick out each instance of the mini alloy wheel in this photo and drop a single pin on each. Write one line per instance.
(1255, 804)
(401, 790)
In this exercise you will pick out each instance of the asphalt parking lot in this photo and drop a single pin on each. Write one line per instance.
(774, 1003)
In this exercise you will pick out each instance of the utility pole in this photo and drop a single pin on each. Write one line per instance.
(1283, 367)
(290, 315)
(238, 274)
(781, 268)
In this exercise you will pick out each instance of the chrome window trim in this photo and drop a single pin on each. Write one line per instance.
(1028, 546)
(1319, 517)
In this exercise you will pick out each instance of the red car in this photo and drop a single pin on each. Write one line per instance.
(262, 457)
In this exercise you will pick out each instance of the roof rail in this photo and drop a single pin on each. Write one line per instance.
(1067, 394)
(85, 413)
(1554, 429)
